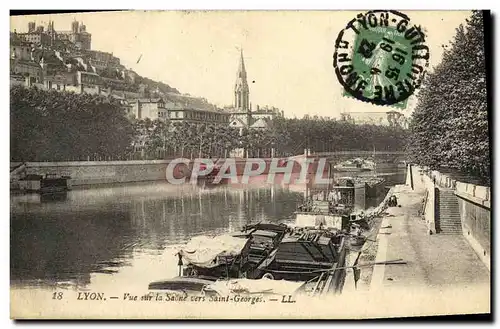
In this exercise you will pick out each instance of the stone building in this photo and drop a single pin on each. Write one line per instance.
(241, 113)
(386, 118)
(25, 68)
(196, 115)
(38, 35)
(148, 108)
(102, 60)
(21, 50)
(88, 79)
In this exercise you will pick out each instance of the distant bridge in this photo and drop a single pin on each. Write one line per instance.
(339, 156)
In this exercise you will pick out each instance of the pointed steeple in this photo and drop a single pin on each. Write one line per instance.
(241, 90)
(242, 73)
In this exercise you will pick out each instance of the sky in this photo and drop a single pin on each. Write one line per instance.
(288, 54)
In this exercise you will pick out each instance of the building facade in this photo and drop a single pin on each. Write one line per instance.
(21, 50)
(102, 60)
(26, 68)
(388, 118)
(147, 108)
(38, 35)
(267, 112)
(88, 79)
(194, 115)
(165, 109)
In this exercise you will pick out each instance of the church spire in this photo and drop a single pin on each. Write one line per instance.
(242, 73)
(241, 90)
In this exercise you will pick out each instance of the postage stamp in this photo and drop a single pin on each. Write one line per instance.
(381, 58)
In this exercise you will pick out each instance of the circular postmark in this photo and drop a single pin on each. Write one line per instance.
(381, 57)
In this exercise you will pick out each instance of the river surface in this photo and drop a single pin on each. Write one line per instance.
(128, 234)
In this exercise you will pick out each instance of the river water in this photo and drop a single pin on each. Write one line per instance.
(128, 234)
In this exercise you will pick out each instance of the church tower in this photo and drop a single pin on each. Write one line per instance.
(241, 91)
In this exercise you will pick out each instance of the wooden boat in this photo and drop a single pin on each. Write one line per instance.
(355, 165)
(183, 285)
(316, 213)
(179, 288)
(374, 186)
(50, 183)
(256, 288)
(264, 237)
(215, 257)
(303, 255)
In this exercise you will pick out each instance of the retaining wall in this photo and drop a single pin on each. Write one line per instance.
(107, 172)
(422, 182)
(102, 172)
(474, 204)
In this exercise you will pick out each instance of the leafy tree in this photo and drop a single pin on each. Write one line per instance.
(52, 126)
(449, 127)
(61, 126)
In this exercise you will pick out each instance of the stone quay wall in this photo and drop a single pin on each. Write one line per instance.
(474, 203)
(110, 172)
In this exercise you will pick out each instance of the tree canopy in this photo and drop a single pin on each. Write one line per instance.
(449, 127)
(55, 126)
(61, 126)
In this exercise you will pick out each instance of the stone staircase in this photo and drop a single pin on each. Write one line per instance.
(448, 213)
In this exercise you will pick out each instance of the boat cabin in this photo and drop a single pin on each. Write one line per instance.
(265, 237)
(303, 255)
(49, 183)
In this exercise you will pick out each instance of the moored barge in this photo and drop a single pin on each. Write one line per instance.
(44, 184)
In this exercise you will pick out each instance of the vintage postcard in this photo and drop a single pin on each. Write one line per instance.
(250, 164)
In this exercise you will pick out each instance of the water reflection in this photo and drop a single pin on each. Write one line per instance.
(98, 230)
(88, 234)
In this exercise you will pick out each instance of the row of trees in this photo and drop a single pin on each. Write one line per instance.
(322, 135)
(157, 139)
(55, 126)
(449, 127)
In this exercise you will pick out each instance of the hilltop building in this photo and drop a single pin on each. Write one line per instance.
(38, 35)
(64, 61)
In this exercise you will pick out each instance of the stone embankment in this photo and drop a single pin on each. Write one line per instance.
(430, 263)
(112, 172)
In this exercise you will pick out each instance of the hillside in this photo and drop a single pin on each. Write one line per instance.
(62, 58)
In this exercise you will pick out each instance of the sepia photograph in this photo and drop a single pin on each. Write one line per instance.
(250, 164)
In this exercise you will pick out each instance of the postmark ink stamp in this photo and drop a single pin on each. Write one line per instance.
(381, 57)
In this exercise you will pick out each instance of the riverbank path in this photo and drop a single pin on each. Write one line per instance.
(433, 261)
